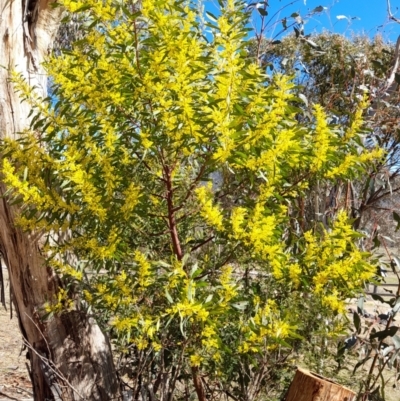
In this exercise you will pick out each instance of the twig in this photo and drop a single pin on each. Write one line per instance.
(8, 396)
(192, 186)
(40, 331)
(48, 363)
(391, 16)
(26, 391)
(167, 173)
(202, 243)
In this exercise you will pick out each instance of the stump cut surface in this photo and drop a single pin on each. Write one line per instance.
(309, 386)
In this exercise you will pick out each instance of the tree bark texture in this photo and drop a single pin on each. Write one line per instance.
(308, 386)
(70, 358)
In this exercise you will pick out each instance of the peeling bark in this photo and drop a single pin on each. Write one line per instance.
(70, 357)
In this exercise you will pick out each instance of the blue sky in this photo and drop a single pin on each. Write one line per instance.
(370, 16)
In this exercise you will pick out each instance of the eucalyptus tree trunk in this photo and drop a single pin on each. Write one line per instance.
(70, 358)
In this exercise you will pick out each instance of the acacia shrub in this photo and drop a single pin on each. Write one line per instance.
(162, 182)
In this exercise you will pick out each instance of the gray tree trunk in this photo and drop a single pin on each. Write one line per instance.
(70, 357)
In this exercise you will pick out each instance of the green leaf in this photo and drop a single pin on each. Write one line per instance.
(194, 271)
(211, 16)
(396, 341)
(396, 261)
(377, 297)
(388, 238)
(313, 44)
(262, 11)
(387, 350)
(341, 349)
(360, 363)
(318, 9)
(393, 358)
(208, 299)
(168, 295)
(304, 99)
(182, 329)
(380, 335)
(396, 307)
(83, 8)
(185, 258)
(360, 305)
(396, 218)
(298, 32)
(240, 305)
(357, 322)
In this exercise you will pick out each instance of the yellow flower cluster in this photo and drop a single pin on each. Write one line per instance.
(228, 81)
(258, 229)
(228, 290)
(295, 272)
(334, 259)
(66, 269)
(103, 10)
(322, 139)
(270, 329)
(132, 195)
(125, 324)
(238, 219)
(334, 302)
(209, 337)
(104, 250)
(352, 160)
(59, 305)
(195, 360)
(211, 213)
(125, 286)
(189, 308)
(177, 274)
(144, 269)
(281, 141)
(357, 121)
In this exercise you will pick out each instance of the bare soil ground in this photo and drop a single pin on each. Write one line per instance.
(14, 378)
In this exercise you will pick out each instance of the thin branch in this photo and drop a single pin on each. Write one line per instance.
(172, 384)
(198, 386)
(391, 16)
(160, 233)
(8, 396)
(373, 199)
(230, 395)
(40, 331)
(202, 243)
(48, 363)
(192, 186)
(171, 214)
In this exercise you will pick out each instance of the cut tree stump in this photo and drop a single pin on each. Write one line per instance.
(309, 386)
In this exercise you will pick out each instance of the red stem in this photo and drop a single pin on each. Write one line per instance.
(171, 214)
